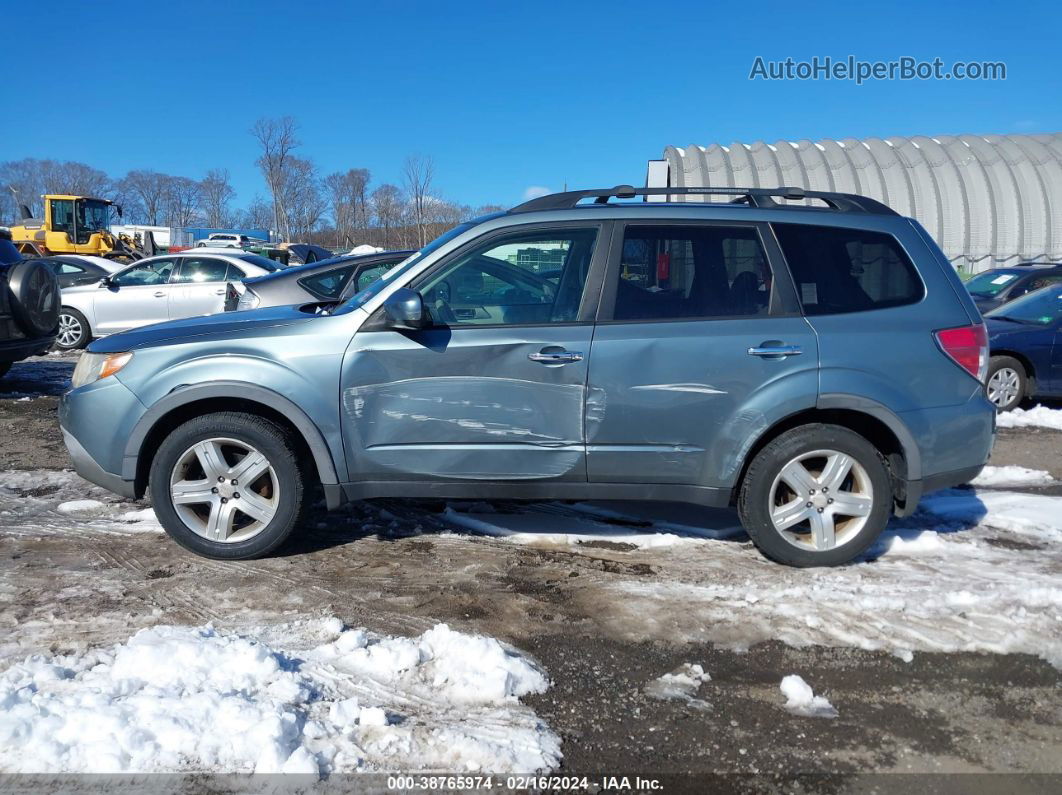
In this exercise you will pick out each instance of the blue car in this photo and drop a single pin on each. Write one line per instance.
(1025, 337)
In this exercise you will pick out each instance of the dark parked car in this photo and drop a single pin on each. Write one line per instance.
(29, 306)
(73, 270)
(1025, 337)
(334, 279)
(996, 287)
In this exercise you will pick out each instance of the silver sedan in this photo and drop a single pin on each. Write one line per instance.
(153, 290)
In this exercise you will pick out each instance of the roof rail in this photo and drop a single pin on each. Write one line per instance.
(762, 198)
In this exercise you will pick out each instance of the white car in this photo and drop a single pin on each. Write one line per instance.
(166, 287)
(224, 240)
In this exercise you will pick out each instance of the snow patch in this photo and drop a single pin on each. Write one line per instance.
(1012, 476)
(1036, 417)
(197, 699)
(801, 700)
(681, 684)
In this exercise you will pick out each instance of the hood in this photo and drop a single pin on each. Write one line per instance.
(233, 324)
(986, 304)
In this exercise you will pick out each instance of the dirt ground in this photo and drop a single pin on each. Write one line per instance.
(936, 713)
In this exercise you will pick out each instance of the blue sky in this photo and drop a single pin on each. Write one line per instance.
(503, 95)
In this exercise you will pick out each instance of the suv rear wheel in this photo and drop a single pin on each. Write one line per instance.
(229, 486)
(818, 495)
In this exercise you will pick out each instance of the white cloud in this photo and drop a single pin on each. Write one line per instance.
(535, 191)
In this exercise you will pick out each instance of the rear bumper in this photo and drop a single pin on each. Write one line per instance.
(19, 349)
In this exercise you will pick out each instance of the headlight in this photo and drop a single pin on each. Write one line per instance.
(94, 366)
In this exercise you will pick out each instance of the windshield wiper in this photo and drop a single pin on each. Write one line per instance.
(1012, 319)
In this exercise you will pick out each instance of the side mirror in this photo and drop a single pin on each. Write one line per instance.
(405, 310)
(106, 282)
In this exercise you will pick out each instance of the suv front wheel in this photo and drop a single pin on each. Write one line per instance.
(229, 486)
(817, 495)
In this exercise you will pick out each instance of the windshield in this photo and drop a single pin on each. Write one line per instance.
(1040, 308)
(992, 283)
(359, 298)
(93, 215)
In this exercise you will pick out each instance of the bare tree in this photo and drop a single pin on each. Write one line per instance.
(257, 215)
(147, 190)
(277, 139)
(29, 179)
(301, 197)
(388, 207)
(347, 198)
(418, 173)
(215, 193)
(182, 201)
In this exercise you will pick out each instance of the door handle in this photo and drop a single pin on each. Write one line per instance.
(220, 292)
(775, 350)
(160, 294)
(557, 357)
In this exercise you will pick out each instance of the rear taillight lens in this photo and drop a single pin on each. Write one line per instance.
(968, 347)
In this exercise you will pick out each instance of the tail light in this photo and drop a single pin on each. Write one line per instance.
(968, 348)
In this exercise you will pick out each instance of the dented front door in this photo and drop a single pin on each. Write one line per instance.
(466, 403)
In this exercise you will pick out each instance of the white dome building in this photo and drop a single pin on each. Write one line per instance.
(987, 200)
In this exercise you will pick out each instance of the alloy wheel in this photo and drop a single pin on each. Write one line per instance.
(1003, 387)
(69, 330)
(224, 490)
(821, 500)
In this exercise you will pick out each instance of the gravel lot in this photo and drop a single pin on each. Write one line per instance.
(604, 616)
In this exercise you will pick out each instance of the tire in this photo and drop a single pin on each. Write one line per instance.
(765, 490)
(1007, 382)
(35, 297)
(283, 486)
(74, 331)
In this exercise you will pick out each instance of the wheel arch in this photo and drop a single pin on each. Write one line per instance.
(1023, 359)
(184, 403)
(874, 422)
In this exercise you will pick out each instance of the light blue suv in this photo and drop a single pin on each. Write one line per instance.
(810, 358)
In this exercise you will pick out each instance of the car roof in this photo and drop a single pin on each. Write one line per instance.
(108, 265)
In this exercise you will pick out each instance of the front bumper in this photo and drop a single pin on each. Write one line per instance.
(85, 465)
(96, 420)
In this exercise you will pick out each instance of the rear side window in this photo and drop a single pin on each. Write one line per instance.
(328, 284)
(840, 270)
(692, 272)
(201, 269)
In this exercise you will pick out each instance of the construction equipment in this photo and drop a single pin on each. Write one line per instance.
(77, 225)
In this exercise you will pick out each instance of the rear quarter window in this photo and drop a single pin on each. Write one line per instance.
(839, 270)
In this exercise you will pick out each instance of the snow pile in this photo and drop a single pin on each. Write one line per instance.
(1012, 476)
(364, 249)
(1036, 417)
(681, 684)
(1025, 514)
(195, 699)
(801, 700)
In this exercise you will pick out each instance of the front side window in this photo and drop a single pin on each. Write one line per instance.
(92, 217)
(692, 272)
(329, 284)
(195, 270)
(152, 272)
(526, 279)
(63, 215)
(839, 270)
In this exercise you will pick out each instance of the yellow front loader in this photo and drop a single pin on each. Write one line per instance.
(75, 225)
